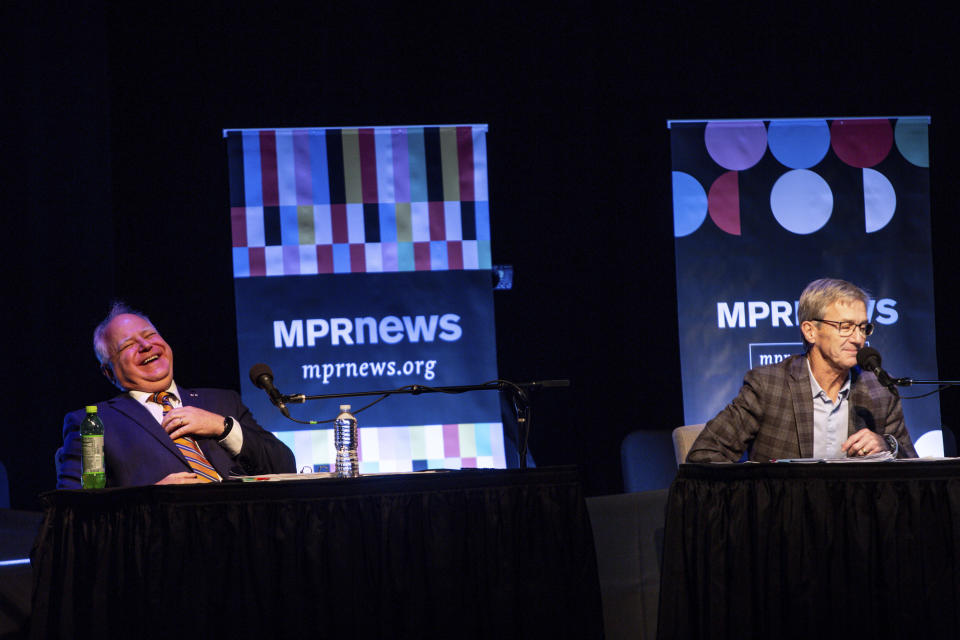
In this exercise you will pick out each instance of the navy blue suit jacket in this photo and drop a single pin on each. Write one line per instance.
(137, 451)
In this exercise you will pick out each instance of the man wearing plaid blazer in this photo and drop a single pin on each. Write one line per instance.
(815, 405)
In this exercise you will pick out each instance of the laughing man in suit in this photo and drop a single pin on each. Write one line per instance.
(815, 405)
(139, 431)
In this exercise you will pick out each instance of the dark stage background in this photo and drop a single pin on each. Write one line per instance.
(115, 180)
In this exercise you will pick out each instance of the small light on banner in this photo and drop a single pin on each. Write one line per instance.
(502, 276)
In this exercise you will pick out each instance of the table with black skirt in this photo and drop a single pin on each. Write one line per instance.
(465, 554)
(801, 550)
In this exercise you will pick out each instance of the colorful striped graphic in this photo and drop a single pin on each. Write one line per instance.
(360, 200)
(408, 448)
(385, 201)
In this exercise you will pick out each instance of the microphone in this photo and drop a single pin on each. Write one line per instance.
(869, 360)
(262, 377)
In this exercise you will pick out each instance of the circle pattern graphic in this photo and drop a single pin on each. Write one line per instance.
(724, 202)
(802, 201)
(913, 141)
(689, 204)
(879, 200)
(736, 145)
(799, 144)
(862, 143)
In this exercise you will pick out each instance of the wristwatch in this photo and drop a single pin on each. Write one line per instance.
(892, 444)
(227, 426)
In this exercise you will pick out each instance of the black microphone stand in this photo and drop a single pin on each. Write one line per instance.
(907, 382)
(892, 383)
(518, 392)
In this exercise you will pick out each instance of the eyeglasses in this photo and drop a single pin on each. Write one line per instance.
(846, 328)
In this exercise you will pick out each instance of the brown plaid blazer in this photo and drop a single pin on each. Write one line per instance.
(772, 416)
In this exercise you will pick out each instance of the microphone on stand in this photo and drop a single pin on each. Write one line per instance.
(262, 377)
(869, 360)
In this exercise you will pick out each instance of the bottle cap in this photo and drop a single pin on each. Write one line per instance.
(344, 407)
(91, 408)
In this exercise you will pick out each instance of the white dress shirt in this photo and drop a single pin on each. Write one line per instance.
(232, 443)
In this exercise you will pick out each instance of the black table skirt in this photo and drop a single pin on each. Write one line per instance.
(812, 551)
(459, 554)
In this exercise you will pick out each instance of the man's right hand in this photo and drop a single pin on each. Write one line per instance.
(181, 477)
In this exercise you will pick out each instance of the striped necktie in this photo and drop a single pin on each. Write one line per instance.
(187, 445)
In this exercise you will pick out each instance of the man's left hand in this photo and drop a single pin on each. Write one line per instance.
(192, 421)
(863, 443)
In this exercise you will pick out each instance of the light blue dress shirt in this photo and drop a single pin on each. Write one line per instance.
(829, 419)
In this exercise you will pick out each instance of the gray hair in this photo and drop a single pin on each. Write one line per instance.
(118, 308)
(820, 294)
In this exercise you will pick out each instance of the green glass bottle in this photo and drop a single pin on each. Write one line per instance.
(91, 447)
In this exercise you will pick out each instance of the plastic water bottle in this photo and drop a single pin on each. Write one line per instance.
(94, 474)
(345, 439)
